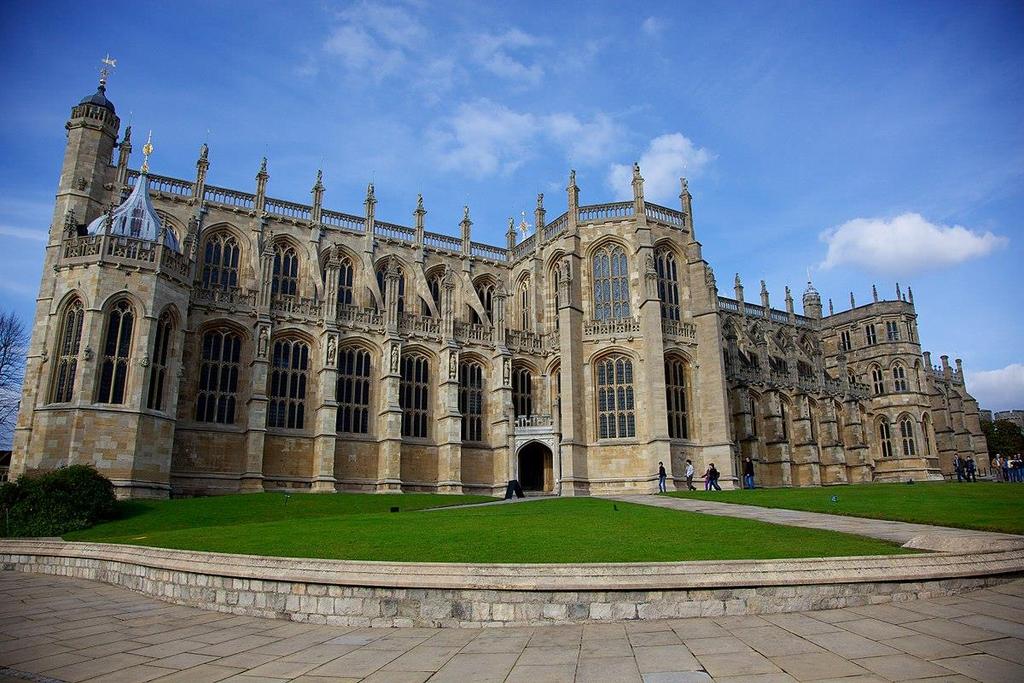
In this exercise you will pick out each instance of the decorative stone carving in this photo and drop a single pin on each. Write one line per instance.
(394, 357)
(506, 372)
(144, 361)
(263, 341)
(332, 351)
(453, 364)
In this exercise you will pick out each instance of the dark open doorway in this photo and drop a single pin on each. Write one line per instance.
(535, 467)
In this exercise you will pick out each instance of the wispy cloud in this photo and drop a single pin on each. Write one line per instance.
(666, 159)
(1000, 389)
(905, 244)
(504, 55)
(32, 234)
(653, 26)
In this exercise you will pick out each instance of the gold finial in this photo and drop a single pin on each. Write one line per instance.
(110, 62)
(524, 227)
(147, 149)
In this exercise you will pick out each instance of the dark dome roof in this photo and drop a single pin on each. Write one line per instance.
(99, 99)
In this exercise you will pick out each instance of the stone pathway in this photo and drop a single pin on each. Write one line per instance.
(921, 536)
(57, 628)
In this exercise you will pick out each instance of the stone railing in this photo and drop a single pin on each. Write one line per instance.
(611, 328)
(552, 341)
(555, 227)
(131, 249)
(218, 296)
(392, 231)
(604, 212)
(472, 332)
(221, 195)
(279, 207)
(679, 329)
(163, 184)
(486, 251)
(524, 341)
(176, 263)
(525, 247)
(663, 214)
(436, 240)
(354, 316)
(811, 385)
(296, 305)
(533, 421)
(78, 247)
(343, 221)
(755, 311)
(418, 324)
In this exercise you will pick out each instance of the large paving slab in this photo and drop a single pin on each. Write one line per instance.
(920, 536)
(58, 628)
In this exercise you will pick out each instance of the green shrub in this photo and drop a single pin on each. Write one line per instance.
(54, 503)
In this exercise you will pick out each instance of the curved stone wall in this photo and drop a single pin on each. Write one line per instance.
(427, 594)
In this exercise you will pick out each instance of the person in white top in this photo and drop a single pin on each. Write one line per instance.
(689, 476)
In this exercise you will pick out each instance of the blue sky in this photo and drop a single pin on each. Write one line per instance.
(870, 142)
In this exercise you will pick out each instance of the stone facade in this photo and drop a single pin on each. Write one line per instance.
(195, 339)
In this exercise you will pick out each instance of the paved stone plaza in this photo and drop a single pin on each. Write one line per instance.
(54, 628)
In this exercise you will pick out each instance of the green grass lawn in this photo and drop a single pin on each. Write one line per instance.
(984, 505)
(359, 527)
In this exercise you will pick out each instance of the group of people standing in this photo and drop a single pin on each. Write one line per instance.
(711, 476)
(1009, 469)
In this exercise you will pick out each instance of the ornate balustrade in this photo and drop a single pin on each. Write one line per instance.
(603, 212)
(284, 209)
(296, 305)
(555, 227)
(810, 385)
(164, 184)
(486, 251)
(663, 214)
(176, 263)
(533, 421)
(552, 341)
(418, 324)
(394, 232)
(343, 221)
(524, 341)
(78, 247)
(131, 249)
(472, 332)
(219, 296)
(679, 329)
(755, 311)
(436, 240)
(221, 195)
(615, 328)
(525, 247)
(728, 304)
(354, 316)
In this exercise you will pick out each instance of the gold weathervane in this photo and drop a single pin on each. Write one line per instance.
(147, 149)
(524, 227)
(108, 64)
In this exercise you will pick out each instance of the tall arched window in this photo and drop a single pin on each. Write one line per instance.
(555, 278)
(220, 262)
(525, 319)
(158, 364)
(907, 436)
(471, 400)
(382, 283)
(785, 412)
(615, 416)
(117, 346)
(668, 283)
(899, 378)
(885, 438)
(611, 283)
(484, 290)
(675, 398)
(286, 271)
(68, 344)
(289, 372)
(434, 285)
(414, 395)
(345, 273)
(353, 391)
(877, 383)
(218, 377)
(522, 391)
(926, 434)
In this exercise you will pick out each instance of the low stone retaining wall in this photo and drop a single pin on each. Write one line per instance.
(425, 594)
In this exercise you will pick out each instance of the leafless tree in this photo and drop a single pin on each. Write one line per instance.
(13, 346)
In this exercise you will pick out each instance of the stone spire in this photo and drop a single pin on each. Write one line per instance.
(202, 167)
(899, 294)
(419, 216)
(465, 226)
(765, 303)
(261, 185)
(318, 196)
(510, 236)
(853, 303)
(738, 288)
(910, 294)
(789, 300)
(874, 293)
(638, 190)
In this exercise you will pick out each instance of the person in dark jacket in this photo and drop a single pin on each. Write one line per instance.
(711, 477)
(748, 473)
(662, 476)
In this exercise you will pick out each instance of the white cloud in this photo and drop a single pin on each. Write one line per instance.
(1001, 389)
(652, 26)
(24, 233)
(667, 159)
(904, 244)
(501, 55)
(375, 39)
(485, 138)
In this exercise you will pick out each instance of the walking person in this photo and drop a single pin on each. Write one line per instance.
(712, 476)
(972, 468)
(748, 473)
(1004, 465)
(997, 467)
(662, 476)
(689, 476)
(958, 465)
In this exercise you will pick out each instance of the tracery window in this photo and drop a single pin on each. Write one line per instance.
(907, 436)
(675, 399)
(877, 383)
(218, 377)
(158, 364)
(220, 262)
(286, 271)
(116, 347)
(289, 376)
(414, 395)
(869, 335)
(844, 341)
(522, 391)
(899, 378)
(68, 344)
(525, 319)
(484, 290)
(892, 331)
(471, 400)
(615, 406)
(784, 410)
(555, 281)
(345, 273)
(382, 283)
(926, 434)
(668, 283)
(353, 391)
(885, 438)
(611, 283)
(434, 285)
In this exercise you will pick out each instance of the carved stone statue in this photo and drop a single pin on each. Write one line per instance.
(453, 365)
(263, 343)
(332, 351)
(394, 357)
(506, 372)
(565, 270)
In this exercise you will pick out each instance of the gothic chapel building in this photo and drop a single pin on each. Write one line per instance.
(194, 339)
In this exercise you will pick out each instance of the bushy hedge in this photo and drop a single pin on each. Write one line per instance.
(54, 503)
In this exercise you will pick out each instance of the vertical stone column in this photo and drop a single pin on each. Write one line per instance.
(392, 275)
(326, 415)
(806, 461)
(572, 450)
(331, 271)
(256, 410)
(833, 459)
(449, 423)
(389, 454)
(261, 186)
(777, 458)
(858, 459)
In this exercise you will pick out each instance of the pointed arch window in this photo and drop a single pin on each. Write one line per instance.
(68, 345)
(414, 395)
(158, 365)
(117, 346)
(611, 283)
(525, 319)
(899, 378)
(471, 400)
(877, 382)
(885, 438)
(382, 283)
(668, 283)
(353, 391)
(555, 279)
(289, 377)
(522, 391)
(345, 277)
(220, 262)
(218, 377)
(434, 285)
(485, 291)
(616, 418)
(286, 271)
(907, 436)
(675, 398)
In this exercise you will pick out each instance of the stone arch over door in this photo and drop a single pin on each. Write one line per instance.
(535, 467)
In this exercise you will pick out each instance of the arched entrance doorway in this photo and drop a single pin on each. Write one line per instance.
(535, 467)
